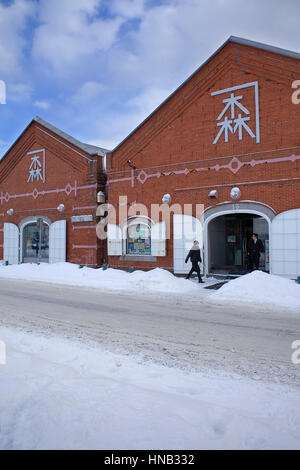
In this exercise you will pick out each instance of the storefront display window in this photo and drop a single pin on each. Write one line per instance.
(138, 238)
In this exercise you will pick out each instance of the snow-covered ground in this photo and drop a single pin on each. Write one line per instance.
(256, 288)
(154, 281)
(261, 288)
(58, 394)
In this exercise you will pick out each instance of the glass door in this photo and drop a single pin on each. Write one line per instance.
(36, 242)
(233, 242)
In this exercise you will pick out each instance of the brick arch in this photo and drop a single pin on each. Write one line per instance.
(247, 206)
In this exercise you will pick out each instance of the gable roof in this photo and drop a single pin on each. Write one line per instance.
(89, 149)
(231, 39)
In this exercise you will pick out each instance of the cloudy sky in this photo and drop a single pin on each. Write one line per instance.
(97, 68)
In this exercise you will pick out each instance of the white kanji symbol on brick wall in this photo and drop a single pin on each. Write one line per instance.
(238, 116)
(239, 122)
(35, 170)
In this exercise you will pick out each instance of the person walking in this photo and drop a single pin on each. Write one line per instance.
(255, 248)
(195, 256)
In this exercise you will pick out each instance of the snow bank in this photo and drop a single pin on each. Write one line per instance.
(260, 288)
(156, 280)
(255, 288)
(59, 394)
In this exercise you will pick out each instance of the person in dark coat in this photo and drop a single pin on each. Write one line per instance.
(255, 248)
(195, 257)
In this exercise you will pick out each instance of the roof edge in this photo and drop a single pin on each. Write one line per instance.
(87, 148)
(265, 47)
(90, 149)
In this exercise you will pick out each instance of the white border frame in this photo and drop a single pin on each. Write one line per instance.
(256, 96)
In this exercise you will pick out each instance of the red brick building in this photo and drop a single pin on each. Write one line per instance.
(232, 125)
(226, 139)
(49, 183)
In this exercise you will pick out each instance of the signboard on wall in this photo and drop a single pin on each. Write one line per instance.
(82, 218)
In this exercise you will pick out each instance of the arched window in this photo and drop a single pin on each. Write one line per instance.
(138, 237)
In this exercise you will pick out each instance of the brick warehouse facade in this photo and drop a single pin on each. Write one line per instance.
(226, 139)
(232, 124)
(47, 180)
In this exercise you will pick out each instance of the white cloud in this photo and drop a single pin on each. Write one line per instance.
(44, 105)
(128, 8)
(87, 92)
(70, 34)
(171, 41)
(13, 19)
(166, 46)
(174, 38)
(148, 100)
(18, 92)
(116, 126)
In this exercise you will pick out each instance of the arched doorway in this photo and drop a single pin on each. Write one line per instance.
(35, 240)
(228, 229)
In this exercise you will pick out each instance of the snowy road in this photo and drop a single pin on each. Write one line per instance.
(62, 394)
(171, 331)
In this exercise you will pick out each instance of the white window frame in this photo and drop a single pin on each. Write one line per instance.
(142, 220)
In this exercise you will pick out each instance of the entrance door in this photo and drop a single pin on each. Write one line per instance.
(228, 238)
(36, 242)
(234, 242)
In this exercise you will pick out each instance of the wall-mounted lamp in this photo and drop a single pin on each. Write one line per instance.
(10, 212)
(235, 194)
(61, 208)
(131, 164)
(100, 197)
(213, 194)
(166, 199)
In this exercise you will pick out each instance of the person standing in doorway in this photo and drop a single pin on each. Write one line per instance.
(255, 248)
(195, 256)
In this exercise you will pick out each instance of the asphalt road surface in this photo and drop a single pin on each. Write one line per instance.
(175, 332)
